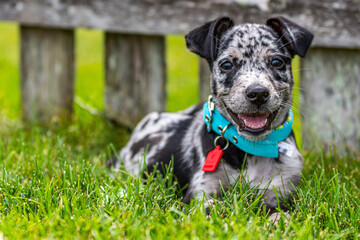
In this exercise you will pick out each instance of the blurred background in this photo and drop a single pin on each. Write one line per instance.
(134, 61)
(182, 70)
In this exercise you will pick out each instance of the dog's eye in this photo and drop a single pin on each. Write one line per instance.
(226, 66)
(277, 63)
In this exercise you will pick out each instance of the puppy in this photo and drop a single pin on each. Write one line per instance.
(244, 128)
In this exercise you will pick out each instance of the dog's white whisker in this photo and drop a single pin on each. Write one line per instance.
(292, 41)
(298, 88)
(280, 38)
(302, 69)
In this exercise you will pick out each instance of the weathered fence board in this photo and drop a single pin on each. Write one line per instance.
(331, 97)
(335, 23)
(47, 73)
(135, 76)
(204, 80)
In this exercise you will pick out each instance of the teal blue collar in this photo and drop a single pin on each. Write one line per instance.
(267, 147)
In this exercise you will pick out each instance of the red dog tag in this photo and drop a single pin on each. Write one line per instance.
(212, 159)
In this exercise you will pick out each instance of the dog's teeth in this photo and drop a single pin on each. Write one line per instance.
(254, 121)
(255, 126)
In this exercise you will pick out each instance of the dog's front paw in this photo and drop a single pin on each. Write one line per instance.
(276, 216)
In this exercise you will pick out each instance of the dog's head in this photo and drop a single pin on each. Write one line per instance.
(251, 77)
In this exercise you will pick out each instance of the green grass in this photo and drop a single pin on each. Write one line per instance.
(9, 71)
(90, 70)
(54, 182)
(182, 72)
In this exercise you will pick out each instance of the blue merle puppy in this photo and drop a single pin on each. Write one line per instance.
(251, 84)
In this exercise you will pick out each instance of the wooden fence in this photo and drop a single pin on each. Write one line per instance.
(135, 59)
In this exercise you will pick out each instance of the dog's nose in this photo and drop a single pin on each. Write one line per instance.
(258, 95)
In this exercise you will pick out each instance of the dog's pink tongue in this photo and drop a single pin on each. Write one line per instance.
(254, 121)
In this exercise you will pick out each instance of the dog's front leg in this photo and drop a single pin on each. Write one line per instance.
(209, 184)
(275, 177)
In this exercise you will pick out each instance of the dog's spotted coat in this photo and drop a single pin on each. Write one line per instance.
(241, 58)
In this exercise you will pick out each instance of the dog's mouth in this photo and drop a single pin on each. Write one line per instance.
(253, 122)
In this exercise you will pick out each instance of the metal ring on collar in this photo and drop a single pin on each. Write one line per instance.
(227, 142)
(224, 130)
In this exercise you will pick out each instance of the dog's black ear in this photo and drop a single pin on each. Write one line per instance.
(205, 40)
(297, 39)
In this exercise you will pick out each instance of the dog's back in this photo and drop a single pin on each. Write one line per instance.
(157, 139)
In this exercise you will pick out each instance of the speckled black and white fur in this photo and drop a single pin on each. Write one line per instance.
(259, 55)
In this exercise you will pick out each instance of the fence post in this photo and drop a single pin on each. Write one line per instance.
(204, 80)
(47, 73)
(135, 76)
(331, 104)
